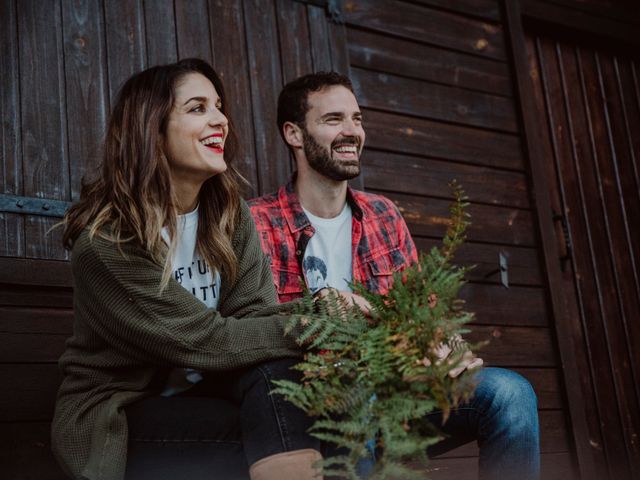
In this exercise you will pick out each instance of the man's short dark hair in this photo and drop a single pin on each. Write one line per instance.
(292, 102)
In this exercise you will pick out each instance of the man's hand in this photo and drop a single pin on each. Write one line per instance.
(348, 299)
(468, 361)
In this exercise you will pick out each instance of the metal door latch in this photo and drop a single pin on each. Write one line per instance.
(568, 247)
(503, 269)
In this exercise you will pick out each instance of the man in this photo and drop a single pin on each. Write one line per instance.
(318, 229)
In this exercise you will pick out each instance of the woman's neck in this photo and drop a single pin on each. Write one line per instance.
(187, 195)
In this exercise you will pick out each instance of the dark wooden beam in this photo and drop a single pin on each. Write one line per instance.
(575, 20)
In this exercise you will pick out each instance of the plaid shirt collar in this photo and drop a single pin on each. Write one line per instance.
(293, 212)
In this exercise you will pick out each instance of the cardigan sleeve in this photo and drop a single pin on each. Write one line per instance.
(118, 297)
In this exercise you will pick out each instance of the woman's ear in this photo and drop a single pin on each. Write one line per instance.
(292, 134)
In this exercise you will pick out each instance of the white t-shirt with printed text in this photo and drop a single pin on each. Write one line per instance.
(192, 272)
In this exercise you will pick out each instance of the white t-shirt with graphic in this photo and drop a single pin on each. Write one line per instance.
(192, 272)
(327, 259)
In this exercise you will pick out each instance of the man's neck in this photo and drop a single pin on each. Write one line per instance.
(323, 197)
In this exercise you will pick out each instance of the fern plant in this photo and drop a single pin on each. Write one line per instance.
(373, 380)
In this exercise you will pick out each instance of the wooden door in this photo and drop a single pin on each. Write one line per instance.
(587, 100)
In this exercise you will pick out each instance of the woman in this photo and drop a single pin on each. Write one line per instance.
(172, 290)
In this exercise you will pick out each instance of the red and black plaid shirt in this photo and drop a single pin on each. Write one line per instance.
(380, 240)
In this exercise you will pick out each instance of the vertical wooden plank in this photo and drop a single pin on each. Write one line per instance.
(85, 79)
(339, 51)
(606, 271)
(44, 128)
(160, 30)
(319, 38)
(192, 30)
(295, 48)
(631, 115)
(567, 326)
(234, 72)
(623, 259)
(11, 225)
(339, 48)
(125, 41)
(266, 81)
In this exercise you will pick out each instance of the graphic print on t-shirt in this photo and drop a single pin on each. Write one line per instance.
(327, 258)
(315, 271)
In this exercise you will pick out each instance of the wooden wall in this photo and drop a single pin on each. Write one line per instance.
(436, 83)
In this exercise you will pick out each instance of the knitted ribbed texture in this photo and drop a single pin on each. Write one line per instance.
(125, 330)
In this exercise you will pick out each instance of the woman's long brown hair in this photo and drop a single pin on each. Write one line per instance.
(133, 199)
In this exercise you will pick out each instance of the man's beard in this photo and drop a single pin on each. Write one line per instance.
(322, 162)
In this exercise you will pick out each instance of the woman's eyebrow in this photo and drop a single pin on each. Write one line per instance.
(197, 99)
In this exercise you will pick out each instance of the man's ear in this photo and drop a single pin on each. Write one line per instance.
(292, 134)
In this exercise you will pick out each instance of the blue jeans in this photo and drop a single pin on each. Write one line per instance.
(503, 417)
(218, 428)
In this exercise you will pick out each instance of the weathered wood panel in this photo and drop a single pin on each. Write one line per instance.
(387, 92)
(11, 225)
(430, 26)
(18, 296)
(319, 39)
(386, 171)
(522, 263)
(293, 31)
(489, 9)
(87, 97)
(32, 395)
(389, 54)
(430, 216)
(125, 37)
(496, 305)
(554, 466)
(160, 32)
(31, 335)
(399, 133)
(25, 452)
(513, 346)
(192, 30)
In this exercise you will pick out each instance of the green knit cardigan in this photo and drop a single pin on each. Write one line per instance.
(125, 331)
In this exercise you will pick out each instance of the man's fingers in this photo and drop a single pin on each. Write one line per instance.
(467, 363)
(477, 362)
